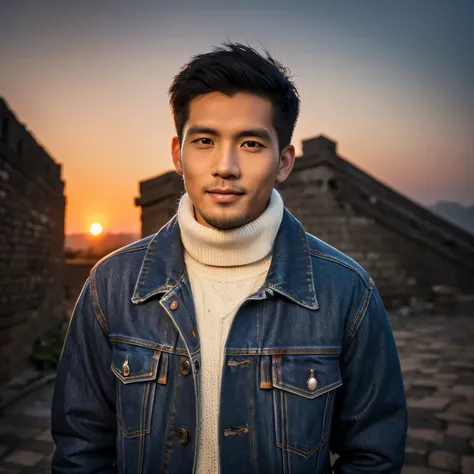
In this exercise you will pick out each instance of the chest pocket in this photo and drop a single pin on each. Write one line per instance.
(303, 399)
(136, 369)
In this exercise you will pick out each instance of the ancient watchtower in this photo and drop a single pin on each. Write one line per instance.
(405, 247)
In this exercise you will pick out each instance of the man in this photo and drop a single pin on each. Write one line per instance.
(231, 341)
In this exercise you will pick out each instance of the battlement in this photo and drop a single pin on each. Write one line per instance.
(32, 212)
(405, 247)
(320, 146)
(21, 149)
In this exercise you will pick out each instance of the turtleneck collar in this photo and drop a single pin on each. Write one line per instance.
(222, 248)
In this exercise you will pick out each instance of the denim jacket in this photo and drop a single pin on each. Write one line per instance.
(310, 367)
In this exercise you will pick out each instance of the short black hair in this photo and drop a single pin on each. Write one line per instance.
(234, 68)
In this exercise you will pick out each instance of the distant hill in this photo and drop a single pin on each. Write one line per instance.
(106, 242)
(461, 215)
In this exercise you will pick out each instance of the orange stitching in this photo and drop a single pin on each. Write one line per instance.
(163, 378)
(316, 392)
(129, 434)
(234, 363)
(283, 351)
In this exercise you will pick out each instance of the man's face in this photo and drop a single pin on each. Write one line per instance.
(229, 158)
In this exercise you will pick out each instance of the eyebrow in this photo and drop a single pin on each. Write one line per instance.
(254, 132)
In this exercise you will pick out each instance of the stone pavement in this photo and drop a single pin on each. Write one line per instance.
(437, 355)
(25, 439)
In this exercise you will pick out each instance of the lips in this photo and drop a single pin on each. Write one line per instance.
(224, 195)
(224, 191)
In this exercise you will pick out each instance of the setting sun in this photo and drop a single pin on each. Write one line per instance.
(95, 228)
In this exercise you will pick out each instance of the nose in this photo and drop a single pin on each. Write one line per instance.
(227, 164)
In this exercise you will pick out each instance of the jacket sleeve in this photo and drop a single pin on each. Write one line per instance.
(83, 422)
(370, 417)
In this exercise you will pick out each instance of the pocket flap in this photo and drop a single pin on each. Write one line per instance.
(132, 363)
(304, 374)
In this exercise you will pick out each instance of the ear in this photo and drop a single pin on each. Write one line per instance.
(176, 154)
(287, 160)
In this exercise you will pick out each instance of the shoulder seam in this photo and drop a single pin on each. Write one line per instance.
(325, 256)
(359, 317)
(117, 253)
(99, 314)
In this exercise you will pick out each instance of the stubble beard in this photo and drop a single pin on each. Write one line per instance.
(224, 223)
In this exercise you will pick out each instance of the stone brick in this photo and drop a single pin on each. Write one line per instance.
(426, 435)
(437, 345)
(428, 370)
(418, 444)
(31, 247)
(465, 390)
(45, 436)
(414, 456)
(454, 417)
(431, 403)
(443, 376)
(444, 460)
(466, 408)
(460, 431)
(462, 364)
(428, 382)
(420, 418)
(429, 356)
(416, 392)
(454, 444)
(26, 433)
(24, 458)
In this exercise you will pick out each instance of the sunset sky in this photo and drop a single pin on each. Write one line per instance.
(390, 81)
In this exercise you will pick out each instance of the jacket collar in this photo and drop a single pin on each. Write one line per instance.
(290, 272)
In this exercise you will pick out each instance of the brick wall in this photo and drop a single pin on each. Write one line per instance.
(76, 272)
(400, 266)
(405, 248)
(32, 206)
(159, 199)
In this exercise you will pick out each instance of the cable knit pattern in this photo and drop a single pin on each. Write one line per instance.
(224, 268)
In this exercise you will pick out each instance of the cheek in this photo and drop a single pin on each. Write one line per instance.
(262, 175)
(193, 168)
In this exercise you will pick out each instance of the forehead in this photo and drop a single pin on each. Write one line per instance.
(239, 111)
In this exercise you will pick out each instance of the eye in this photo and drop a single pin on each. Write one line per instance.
(254, 144)
(201, 141)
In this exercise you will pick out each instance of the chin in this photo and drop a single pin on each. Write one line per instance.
(228, 222)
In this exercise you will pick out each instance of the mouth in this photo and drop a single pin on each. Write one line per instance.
(224, 195)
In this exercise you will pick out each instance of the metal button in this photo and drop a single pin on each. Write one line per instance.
(182, 435)
(185, 366)
(125, 367)
(311, 383)
(174, 304)
(196, 365)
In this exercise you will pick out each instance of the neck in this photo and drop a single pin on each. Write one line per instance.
(241, 246)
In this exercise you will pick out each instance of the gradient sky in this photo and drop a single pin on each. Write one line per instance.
(390, 81)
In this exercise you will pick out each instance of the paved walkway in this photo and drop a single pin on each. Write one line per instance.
(437, 355)
(25, 439)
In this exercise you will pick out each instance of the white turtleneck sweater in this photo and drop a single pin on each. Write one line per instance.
(224, 268)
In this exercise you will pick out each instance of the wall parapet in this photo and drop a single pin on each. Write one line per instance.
(20, 148)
